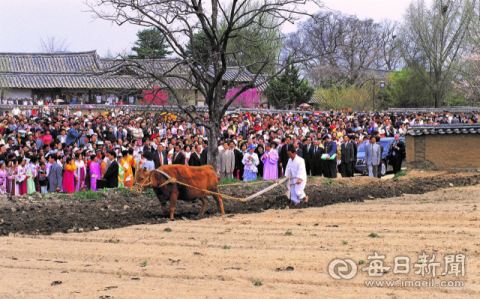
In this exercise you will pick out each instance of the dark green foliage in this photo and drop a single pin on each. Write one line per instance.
(150, 45)
(288, 89)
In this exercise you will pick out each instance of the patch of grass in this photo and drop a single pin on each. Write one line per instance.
(150, 193)
(226, 247)
(123, 191)
(329, 182)
(229, 181)
(257, 283)
(191, 238)
(361, 262)
(235, 181)
(89, 195)
(119, 275)
(63, 196)
(344, 242)
(400, 174)
(288, 233)
(373, 235)
(115, 241)
(167, 229)
(143, 264)
(203, 241)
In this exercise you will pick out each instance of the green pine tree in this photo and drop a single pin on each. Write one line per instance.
(150, 45)
(288, 89)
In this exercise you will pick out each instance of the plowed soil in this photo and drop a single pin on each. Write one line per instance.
(277, 253)
(49, 215)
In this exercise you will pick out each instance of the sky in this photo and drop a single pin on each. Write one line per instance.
(24, 22)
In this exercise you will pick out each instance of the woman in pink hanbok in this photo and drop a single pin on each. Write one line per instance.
(20, 180)
(69, 176)
(95, 172)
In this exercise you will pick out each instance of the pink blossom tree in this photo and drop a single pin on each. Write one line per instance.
(155, 96)
(469, 84)
(247, 99)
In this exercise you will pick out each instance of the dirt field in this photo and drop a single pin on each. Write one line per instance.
(287, 249)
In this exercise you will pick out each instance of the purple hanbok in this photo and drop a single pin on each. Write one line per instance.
(95, 174)
(270, 168)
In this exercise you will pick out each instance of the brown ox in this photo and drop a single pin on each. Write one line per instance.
(203, 177)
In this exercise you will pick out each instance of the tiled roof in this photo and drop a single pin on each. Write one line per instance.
(86, 70)
(444, 129)
(83, 62)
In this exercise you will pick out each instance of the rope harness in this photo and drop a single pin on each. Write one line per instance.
(138, 188)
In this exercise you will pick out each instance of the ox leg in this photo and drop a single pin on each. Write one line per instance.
(218, 198)
(173, 202)
(204, 207)
(164, 207)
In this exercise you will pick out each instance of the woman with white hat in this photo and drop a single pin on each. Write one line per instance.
(250, 160)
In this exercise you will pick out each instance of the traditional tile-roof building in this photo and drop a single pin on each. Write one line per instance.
(86, 76)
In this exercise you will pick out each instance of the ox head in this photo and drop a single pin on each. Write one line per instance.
(142, 177)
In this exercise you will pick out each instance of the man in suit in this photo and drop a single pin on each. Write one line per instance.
(317, 162)
(298, 149)
(178, 156)
(346, 150)
(204, 156)
(379, 171)
(238, 161)
(195, 158)
(373, 157)
(355, 152)
(396, 154)
(283, 156)
(111, 175)
(159, 157)
(55, 176)
(226, 163)
(330, 164)
(308, 155)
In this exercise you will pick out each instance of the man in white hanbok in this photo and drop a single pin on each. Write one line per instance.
(297, 171)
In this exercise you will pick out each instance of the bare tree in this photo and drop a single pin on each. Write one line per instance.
(356, 43)
(389, 56)
(179, 20)
(52, 44)
(434, 38)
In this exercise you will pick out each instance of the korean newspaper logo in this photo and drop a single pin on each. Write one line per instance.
(427, 266)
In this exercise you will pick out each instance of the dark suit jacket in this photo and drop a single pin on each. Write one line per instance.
(156, 159)
(178, 158)
(400, 153)
(317, 158)
(355, 151)
(346, 150)
(203, 156)
(238, 160)
(194, 160)
(283, 155)
(299, 152)
(308, 155)
(111, 175)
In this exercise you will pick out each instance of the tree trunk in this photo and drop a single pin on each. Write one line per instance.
(215, 120)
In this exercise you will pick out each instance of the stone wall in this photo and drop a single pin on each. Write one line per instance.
(451, 152)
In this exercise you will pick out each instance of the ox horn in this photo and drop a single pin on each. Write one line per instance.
(166, 175)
